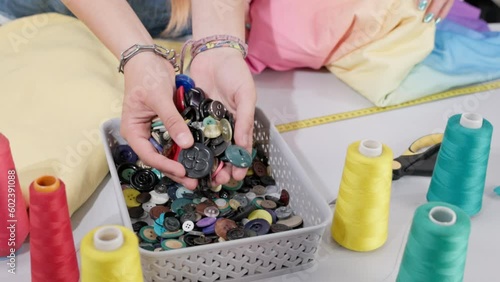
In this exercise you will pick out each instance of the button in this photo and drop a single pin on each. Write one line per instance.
(188, 226)
(276, 228)
(267, 180)
(185, 81)
(148, 206)
(243, 213)
(232, 185)
(207, 221)
(178, 204)
(203, 240)
(222, 204)
(179, 99)
(285, 197)
(124, 154)
(226, 129)
(216, 141)
(172, 234)
(263, 214)
(209, 121)
(189, 216)
(216, 110)
(197, 160)
(158, 225)
(238, 156)
(156, 145)
(259, 225)
(272, 190)
(211, 211)
(172, 244)
(256, 201)
(200, 208)
(171, 224)
(250, 196)
(259, 190)
(236, 233)
(144, 197)
(209, 229)
(194, 97)
(171, 192)
(148, 234)
(130, 196)
(158, 198)
(242, 199)
(136, 212)
(223, 225)
(219, 149)
(157, 211)
(273, 215)
(189, 239)
(146, 246)
(292, 222)
(212, 131)
(182, 192)
(267, 204)
(216, 188)
(225, 194)
(283, 212)
(136, 226)
(259, 168)
(234, 204)
(125, 172)
(144, 180)
(158, 173)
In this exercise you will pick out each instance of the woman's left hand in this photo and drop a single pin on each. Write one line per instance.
(224, 76)
(435, 9)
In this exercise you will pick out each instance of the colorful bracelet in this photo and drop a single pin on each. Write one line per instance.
(212, 42)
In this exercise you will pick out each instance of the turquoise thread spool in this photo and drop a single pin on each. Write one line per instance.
(436, 249)
(460, 171)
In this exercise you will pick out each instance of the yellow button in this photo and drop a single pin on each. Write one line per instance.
(261, 214)
(130, 195)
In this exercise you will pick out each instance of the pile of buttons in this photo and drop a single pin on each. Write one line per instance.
(168, 216)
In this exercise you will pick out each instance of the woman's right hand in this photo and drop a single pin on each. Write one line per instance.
(149, 89)
(435, 9)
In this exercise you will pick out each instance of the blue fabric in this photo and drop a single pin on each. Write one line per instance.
(154, 14)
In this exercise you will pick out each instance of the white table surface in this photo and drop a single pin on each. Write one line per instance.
(291, 96)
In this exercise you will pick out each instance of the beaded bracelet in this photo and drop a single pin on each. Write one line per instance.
(212, 42)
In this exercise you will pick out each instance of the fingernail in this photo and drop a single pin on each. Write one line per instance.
(423, 5)
(438, 20)
(428, 17)
(183, 140)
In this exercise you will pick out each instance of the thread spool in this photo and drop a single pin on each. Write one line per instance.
(14, 223)
(436, 249)
(110, 253)
(361, 217)
(460, 172)
(52, 252)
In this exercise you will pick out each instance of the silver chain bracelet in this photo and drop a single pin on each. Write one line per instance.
(169, 55)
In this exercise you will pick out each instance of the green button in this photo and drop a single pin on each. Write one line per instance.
(233, 185)
(238, 156)
(209, 121)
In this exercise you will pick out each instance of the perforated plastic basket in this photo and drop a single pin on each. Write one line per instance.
(245, 259)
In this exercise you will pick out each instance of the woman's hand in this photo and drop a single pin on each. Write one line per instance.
(149, 86)
(435, 9)
(223, 75)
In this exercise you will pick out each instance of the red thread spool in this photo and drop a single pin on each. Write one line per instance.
(53, 254)
(14, 223)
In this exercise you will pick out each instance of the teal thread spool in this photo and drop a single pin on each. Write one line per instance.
(436, 249)
(460, 171)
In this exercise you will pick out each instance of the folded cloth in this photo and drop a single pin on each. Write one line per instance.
(59, 83)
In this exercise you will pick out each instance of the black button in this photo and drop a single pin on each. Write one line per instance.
(259, 225)
(191, 216)
(197, 160)
(194, 97)
(267, 180)
(144, 180)
(138, 225)
(275, 228)
(172, 224)
(216, 110)
(144, 197)
(124, 154)
(236, 233)
(125, 172)
(220, 148)
(136, 212)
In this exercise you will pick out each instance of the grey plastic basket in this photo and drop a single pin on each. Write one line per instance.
(246, 259)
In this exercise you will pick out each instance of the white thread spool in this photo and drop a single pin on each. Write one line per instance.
(370, 148)
(108, 238)
(471, 120)
(442, 216)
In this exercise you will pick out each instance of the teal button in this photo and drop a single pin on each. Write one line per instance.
(209, 121)
(238, 156)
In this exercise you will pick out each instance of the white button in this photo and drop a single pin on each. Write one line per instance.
(188, 226)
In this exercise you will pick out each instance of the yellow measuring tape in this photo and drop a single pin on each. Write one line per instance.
(306, 123)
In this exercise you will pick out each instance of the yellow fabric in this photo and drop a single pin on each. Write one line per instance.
(385, 43)
(58, 84)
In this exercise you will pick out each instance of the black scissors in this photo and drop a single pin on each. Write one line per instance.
(419, 159)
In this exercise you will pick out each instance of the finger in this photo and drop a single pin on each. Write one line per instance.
(444, 11)
(245, 111)
(433, 10)
(173, 121)
(223, 176)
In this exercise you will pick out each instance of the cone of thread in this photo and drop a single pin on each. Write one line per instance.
(361, 217)
(110, 253)
(436, 249)
(14, 224)
(460, 171)
(52, 248)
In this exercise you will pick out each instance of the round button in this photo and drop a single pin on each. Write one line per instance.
(171, 224)
(156, 212)
(283, 212)
(147, 233)
(209, 121)
(194, 97)
(203, 240)
(216, 110)
(273, 215)
(172, 234)
(207, 221)
(272, 190)
(136, 226)
(268, 204)
(292, 222)
(183, 192)
(185, 81)
(242, 199)
(158, 198)
(179, 99)
(235, 233)
(124, 154)
(259, 168)
(125, 172)
(234, 204)
(148, 206)
(172, 244)
(130, 196)
(219, 149)
(178, 205)
(209, 229)
(285, 197)
(144, 180)
(222, 226)
(267, 180)
(226, 129)
(197, 160)
(212, 131)
(144, 197)
(262, 214)
(188, 226)
(221, 204)
(188, 216)
(276, 228)
(259, 226)
(136, 212)
(200, 208)
(259, 190)
(158, 225)
(232, 185)
(211, 211)
(238, 156)
(250, 196)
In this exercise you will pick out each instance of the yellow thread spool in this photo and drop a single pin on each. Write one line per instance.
(110, 253)
(361, 217)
